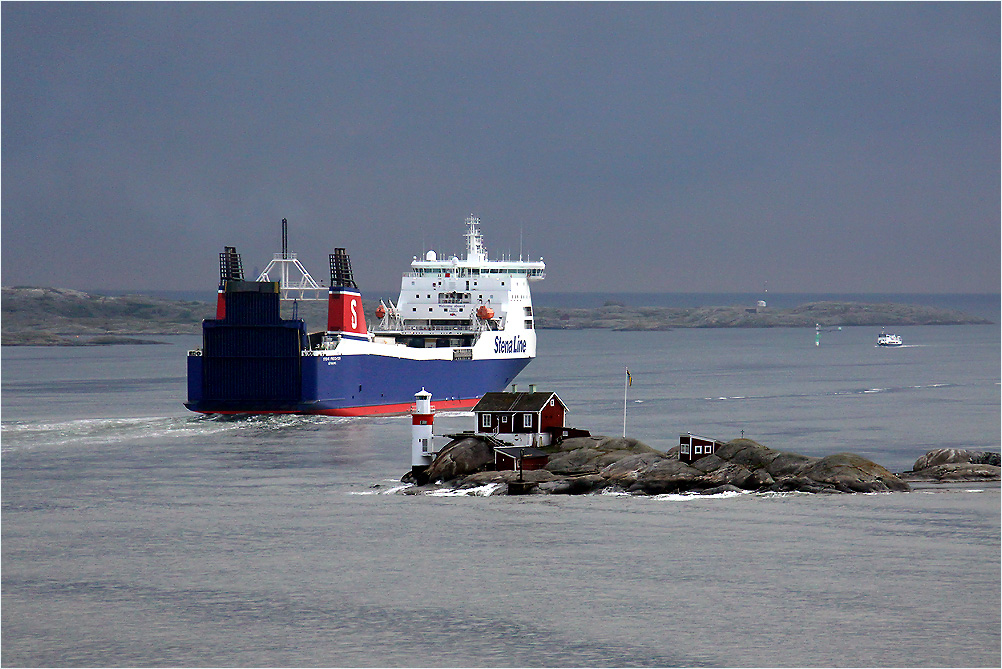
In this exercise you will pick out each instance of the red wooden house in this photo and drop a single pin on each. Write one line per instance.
(692, 447)
(526, 417)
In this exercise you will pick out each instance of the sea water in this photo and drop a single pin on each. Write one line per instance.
(135, 533)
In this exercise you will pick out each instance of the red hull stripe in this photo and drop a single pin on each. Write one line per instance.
(379, 410)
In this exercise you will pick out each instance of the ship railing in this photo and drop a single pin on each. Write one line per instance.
(421, 329)
(463, 272)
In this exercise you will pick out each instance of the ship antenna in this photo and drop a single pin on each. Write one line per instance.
(285, 239)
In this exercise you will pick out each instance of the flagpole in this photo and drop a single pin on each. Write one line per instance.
(626, 385)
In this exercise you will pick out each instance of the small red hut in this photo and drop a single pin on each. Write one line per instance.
(692, 447)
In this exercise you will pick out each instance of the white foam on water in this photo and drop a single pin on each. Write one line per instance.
(20, 435)
(694, 496)
(480, 491)
(374, 491)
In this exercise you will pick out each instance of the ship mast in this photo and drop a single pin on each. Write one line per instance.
(296, 282)
(474, 241)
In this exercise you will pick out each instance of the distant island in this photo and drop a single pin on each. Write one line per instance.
(34, 316)
(614, 316)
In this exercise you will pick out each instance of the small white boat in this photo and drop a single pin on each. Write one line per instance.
(888, 339)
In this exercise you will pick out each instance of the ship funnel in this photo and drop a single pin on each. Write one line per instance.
(341, 269)
(230, 267)
(344, 302)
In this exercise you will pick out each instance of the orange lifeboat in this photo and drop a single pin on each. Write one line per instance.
(380, 311)
(485, 313)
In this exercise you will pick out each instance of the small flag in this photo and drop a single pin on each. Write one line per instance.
(629, 379)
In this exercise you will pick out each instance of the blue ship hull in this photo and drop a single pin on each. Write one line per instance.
(355, 385)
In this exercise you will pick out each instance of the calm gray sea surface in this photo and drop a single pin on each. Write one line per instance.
(137, 534)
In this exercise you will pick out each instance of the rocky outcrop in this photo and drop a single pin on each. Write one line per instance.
(460, 458)
(589, 464)
(956, 464)
(848, 472)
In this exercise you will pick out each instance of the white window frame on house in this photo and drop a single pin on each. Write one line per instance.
(527, 420)
(485, 420)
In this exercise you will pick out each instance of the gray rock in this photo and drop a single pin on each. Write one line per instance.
(611, 444)
(708, 463)
(575, 485)
(959, 472)
(580, 461)
(788, 464)
(748, 453)
(730, 473)
(799, 484)
(947, 456)
(624, 472)
(574, 443)
(483, 478)
(849, 472)
(610, 458)
(666, 476)
(987, 458)
(459, 458)
(943, 456)
(760, 479)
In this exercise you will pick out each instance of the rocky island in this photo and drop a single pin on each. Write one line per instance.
(582, 465)
(35, 316)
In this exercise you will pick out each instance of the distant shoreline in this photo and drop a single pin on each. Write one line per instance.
(62, 317)
(827, 314)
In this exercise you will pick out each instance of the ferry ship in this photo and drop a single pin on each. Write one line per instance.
(460, 327)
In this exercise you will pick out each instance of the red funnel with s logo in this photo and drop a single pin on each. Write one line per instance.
(344, 311)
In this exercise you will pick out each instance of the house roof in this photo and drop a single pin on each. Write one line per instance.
(515, 402)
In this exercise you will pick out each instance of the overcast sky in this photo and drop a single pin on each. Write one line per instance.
(635, 147)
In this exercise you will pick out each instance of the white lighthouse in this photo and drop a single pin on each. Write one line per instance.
(422, 434)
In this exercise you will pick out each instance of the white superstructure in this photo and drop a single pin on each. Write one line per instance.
(457, 296)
